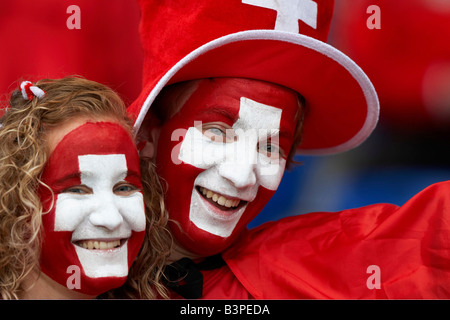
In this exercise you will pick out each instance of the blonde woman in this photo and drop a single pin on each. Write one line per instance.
(73, 208)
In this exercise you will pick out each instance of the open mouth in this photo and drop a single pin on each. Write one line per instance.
(220, 201)
(100, 244)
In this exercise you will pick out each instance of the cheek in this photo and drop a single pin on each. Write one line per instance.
(133, 210)
(167, 145)
(177, 176)
(290, 125)
(55, 240)
(169, 164)
(180, 184)
(254, 208)
(69, 212)
(134, 246)
(269, 178)
(270, 172)
(199, 151)
(57, 251)
(58, 223)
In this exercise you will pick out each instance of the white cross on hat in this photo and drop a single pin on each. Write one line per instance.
(289, 12)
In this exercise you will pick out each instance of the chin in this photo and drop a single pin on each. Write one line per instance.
(202, 243)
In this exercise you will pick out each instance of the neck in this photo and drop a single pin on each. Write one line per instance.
(179, 252)
(39, 286)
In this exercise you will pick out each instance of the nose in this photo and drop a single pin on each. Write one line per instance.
(240, 167)
(241, 175)
(106, 215)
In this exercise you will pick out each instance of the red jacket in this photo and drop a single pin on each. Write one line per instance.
(344, 255)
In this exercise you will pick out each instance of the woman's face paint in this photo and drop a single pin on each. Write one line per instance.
(95, 223)
(223, 156)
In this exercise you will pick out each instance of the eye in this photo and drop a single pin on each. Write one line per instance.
(218, 132)
(214, 132)
(80, 189)
(270, 149)
(124, 189)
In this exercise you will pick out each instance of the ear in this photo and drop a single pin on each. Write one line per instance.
(146, 149)
(147, 138)
(149, 147)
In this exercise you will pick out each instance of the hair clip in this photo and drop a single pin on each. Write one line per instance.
(29, 91)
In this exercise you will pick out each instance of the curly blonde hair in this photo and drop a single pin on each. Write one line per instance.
(23, 154)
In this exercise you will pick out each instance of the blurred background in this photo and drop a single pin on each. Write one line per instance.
(36, 43)
(407, 58)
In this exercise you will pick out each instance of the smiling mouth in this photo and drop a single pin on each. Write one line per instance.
(220, 201)
(100, 244)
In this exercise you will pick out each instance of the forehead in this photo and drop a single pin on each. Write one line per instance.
(56, 134)
(95, 138)
(99, 138)
(228, 90)
(255, 115)
(218, 98)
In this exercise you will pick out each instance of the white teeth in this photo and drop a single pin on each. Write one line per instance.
(102, 245)
(229, 203)
(220, 199)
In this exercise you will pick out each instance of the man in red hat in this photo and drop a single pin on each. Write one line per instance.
(233, 89)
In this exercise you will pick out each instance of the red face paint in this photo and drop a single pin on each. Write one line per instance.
(95, 226)
(210, 165)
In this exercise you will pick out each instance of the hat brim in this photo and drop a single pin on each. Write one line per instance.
(342, 104)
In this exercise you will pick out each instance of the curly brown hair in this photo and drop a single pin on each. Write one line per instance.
(23, 154)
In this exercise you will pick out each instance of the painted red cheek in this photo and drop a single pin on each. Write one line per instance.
(58, 252)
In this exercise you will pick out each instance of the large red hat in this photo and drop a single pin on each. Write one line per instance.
(271, 40)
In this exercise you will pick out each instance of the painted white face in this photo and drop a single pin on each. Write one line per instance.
(236, 134)
(233, 170)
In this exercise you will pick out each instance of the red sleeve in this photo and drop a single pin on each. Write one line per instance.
(346, 255)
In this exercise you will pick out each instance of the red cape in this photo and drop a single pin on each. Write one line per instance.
(329, 255)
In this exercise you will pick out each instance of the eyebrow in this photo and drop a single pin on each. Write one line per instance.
(232, 116)
(71, 176)
(70, 179)
(132, 173)
(281, 134)
(284, 134)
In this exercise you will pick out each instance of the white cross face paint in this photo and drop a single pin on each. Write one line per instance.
(234, 171)
(102, 219)
(226, 168)
(95, 216)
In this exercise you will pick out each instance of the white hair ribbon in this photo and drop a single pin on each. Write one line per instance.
(29, 91)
